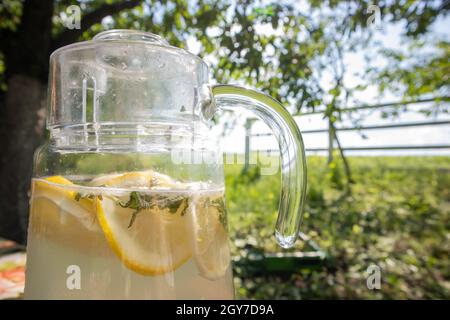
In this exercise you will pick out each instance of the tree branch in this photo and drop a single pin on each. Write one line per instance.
(87, 21)
(348, 172)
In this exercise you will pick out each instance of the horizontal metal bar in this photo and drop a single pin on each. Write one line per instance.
(377, 106)
(261, 134)
(383, 126)
(441, 146)
(388, 148)
(373, 106)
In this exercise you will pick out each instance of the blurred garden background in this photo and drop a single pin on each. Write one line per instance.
(396, 217)
(330, 60)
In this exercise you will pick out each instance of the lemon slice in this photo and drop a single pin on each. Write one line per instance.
(138, 179)
(211, 248)
(56, 216)
(52, 200)
(159, 240)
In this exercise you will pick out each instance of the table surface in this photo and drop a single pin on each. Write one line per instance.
(12, 269)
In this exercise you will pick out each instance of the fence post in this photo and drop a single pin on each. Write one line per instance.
(248, 129)
(330, 140)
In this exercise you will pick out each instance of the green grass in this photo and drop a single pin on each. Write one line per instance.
(397, 216)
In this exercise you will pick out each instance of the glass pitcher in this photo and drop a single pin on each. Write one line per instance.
(127, 197)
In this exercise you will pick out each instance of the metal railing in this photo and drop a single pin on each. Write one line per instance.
(334, 130)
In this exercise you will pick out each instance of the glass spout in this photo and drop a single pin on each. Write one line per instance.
(130, 35)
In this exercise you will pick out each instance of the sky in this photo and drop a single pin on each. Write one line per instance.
(389, 35)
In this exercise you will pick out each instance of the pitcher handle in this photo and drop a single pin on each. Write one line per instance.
(292, 151)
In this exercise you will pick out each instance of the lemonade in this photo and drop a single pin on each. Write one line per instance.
(134, 235)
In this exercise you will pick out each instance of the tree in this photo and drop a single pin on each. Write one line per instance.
(414, 73)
